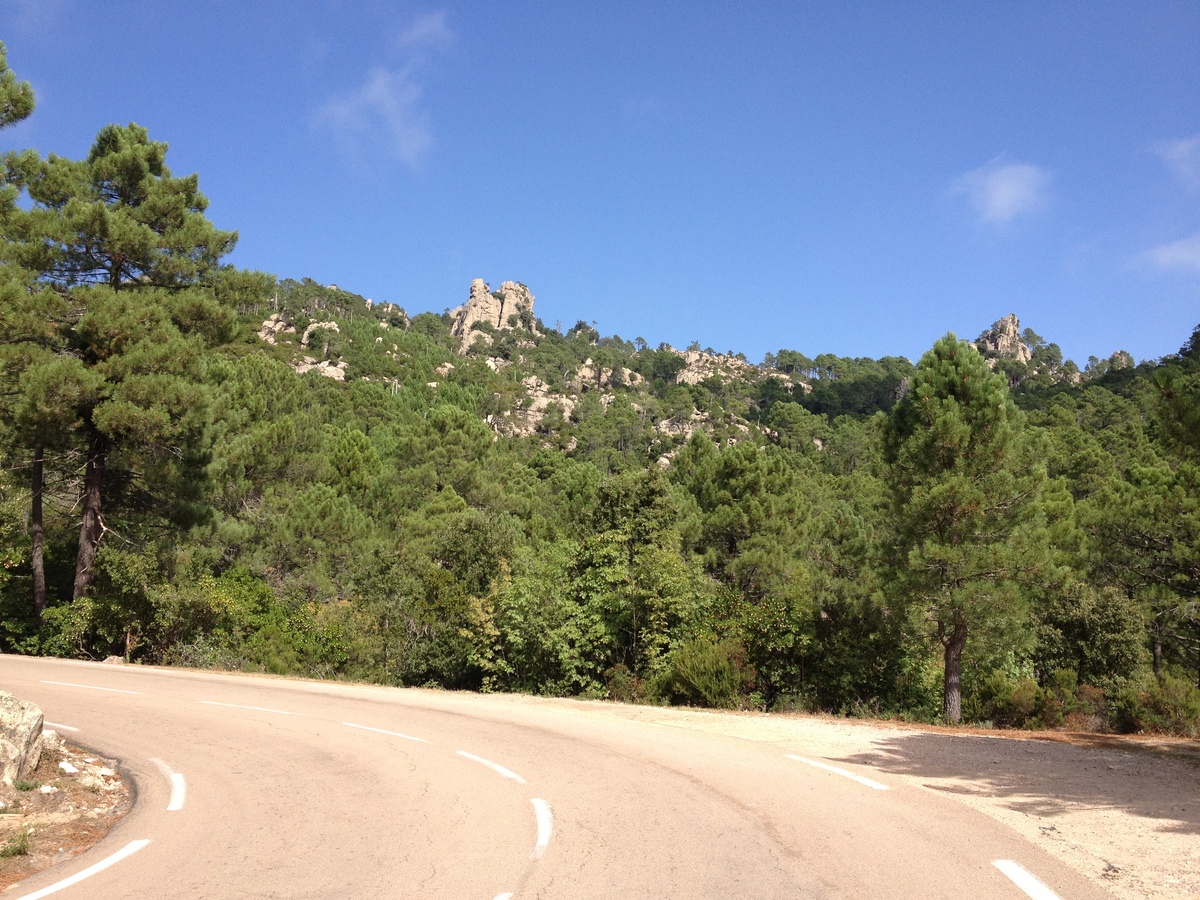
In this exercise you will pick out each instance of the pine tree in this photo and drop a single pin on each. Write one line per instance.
(16, 97)
(122, 252)
(965, 487)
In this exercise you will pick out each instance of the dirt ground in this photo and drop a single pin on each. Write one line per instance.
(67, 805)
(1122, 811)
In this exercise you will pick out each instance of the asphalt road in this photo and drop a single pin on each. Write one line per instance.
(272, 788)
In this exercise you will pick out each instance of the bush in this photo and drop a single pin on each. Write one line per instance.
(1006, 702)
(704, 672)
(1168, 703)
(623, 685)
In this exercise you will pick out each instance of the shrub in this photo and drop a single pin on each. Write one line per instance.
(1006, 702)
(1168, 703)
(18, 845)
(623, 685)
(707, 673)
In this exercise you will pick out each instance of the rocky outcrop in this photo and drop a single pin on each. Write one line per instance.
(318, 326)
(1003, 341)
(274, 326)
(510, 307)
(683, 426)
(20, 738)
(326, 367)
(589, 378)
(702, 365)
(525, 418)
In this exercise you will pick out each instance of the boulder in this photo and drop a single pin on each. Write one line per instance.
(274, 326)
(20, 738)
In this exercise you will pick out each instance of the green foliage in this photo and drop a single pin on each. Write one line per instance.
(966, 484)
(18, 844)
(16, 97)
(1167, 703)
(703, 672)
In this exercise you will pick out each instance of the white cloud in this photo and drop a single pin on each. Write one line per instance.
(1181, 254)
(999, 192)
(385, 113)
(1182, 158)
(429, 30)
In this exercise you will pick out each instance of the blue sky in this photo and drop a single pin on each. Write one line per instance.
(850, 178)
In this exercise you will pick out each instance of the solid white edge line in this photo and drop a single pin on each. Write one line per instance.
(407, 737)
(178, 792)
(1022, 879)
(178, 785)
(282, 712)
(58, 726)
(89, 687)
(875, 785)
(495, 767)
(128, 850)
(545, 827)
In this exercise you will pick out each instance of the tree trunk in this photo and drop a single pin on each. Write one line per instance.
(37, 556)
(954, 643)
(92, 529)
(1156, 644)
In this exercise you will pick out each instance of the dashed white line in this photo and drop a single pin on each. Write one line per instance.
(59, 726)
(178, 785)
(407, 737)
(128, 850)
(1022, 879)
(545, 827)
(495, 767)
(89, 687)
(875, 785)
(281, 712)
(506, 896)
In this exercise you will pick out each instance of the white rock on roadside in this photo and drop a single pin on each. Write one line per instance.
(20, 738)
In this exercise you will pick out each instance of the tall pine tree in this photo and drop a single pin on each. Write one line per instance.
(965, 487)
(120, 253)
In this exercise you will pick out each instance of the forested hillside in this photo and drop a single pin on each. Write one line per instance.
(209, 467)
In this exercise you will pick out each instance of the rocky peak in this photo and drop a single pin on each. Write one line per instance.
(510, 307)
(1003, 341)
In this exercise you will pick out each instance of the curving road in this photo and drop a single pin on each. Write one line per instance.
(272, 788)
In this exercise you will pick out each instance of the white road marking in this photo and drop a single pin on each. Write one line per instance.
(90, 687)
(281, 712)
(507, 896)
(178, 785)
(59, 726)
(836, 771)
(1022, 879)
(495, 767)
(407, 737)
(128, 850)
(545, 826)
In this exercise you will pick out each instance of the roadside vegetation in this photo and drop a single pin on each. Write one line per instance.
(1003, 541)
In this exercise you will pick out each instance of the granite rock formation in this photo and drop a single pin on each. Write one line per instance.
(508, 308)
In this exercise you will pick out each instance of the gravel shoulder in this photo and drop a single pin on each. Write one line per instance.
(70, 802)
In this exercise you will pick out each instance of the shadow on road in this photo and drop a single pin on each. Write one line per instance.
(1046, 779)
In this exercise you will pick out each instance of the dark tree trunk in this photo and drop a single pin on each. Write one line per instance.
(92, 529)
(37, 556)
(954, 643)
(1156, 642)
